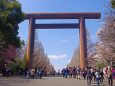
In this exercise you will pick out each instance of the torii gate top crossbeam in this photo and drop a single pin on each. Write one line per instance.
(73, 15)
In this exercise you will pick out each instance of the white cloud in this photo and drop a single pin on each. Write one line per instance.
(57, 56)
(64, 40)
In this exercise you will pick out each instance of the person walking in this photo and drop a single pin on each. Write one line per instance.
(101, 76)
(32, 73)
(74, 72)
(114, 73)
(25, 72)
(66, 72)
(97, 74)
(28, 74)
(41, 71)
(36, 74)
(7, 72)
(89, 76)
(81, 74)
(84, 73)
(70, 72)
(63, 72)
(93, 74)
(110, 77)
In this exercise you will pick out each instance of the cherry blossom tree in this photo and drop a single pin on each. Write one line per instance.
(9, 54)
(105, 46)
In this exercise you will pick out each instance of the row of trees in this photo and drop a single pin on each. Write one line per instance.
(75, 61)
(102, 53)
(105, 47)
(40, 59)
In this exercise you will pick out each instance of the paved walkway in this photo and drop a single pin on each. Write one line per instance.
(49, 81)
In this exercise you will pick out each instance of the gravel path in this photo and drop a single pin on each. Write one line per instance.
(49, 81)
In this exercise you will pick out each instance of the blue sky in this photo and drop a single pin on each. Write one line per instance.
(58, 44)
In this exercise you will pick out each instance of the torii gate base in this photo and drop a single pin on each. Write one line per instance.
(81, 16)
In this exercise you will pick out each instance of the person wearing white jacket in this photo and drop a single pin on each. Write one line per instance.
(97, 74)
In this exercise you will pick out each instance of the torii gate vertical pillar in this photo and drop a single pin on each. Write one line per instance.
(83, 43)
(30, 45)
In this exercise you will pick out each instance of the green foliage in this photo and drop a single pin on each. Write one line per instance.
(14, 65)
(10, 16)
(19, 63)
(113, 3)
(101, 65)
(113, 65)
(22, 42)
(23, 63)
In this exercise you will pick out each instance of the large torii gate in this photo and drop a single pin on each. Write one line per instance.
(75, 15)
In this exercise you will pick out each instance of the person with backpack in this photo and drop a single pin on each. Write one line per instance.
(84, 73)
(110, 76)
(74, 72)
(89, 75)
(63, 72)
(32, 72)
(66, 72)
(101, 76)
(7, 72)
(70, 72)
(97, 74)
(114, 73)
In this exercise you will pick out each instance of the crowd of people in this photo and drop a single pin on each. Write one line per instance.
(35, 73)
(26, 73)
(91, 74)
